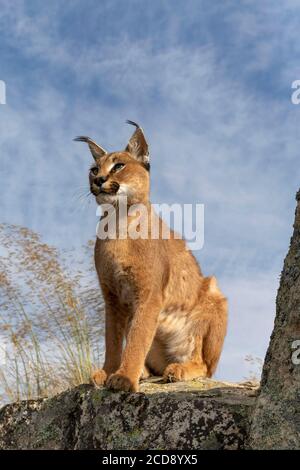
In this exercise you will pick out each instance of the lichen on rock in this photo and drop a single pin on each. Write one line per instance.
(201, 414)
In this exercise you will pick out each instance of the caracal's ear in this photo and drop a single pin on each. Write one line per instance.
(96, 150)
(137, 145)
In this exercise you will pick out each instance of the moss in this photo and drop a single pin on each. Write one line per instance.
(98, 395)
(49, 433)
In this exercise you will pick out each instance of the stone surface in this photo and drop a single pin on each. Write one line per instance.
(201, 414)
(276, 418)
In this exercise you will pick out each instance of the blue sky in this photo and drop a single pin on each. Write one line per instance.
(210, 82)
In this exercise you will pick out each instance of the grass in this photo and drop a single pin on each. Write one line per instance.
(51, 317)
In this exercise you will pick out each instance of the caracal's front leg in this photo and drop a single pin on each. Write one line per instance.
(140, 336)
(115, 324)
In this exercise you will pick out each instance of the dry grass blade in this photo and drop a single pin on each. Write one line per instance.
(51, 317)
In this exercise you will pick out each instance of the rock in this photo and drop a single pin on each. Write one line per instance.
(201, 414)
(276, 417)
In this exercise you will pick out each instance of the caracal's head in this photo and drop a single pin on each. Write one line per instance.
(118, 174)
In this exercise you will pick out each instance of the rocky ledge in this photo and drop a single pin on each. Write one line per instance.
(201, 414)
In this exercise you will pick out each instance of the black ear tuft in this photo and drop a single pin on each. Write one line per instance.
(95, 149)
(132, 123)
(82, 138)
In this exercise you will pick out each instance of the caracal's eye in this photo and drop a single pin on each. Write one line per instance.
(94, 170)
(117, 167)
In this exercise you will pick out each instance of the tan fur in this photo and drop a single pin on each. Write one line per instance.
(173, 318)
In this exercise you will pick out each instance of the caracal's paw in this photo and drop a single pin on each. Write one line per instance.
(99, 377)
(120, 382)
(175, 373)
(187, 371)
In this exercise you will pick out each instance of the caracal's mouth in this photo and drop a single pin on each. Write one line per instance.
(111, 195)
(105, 197)
(111, 191)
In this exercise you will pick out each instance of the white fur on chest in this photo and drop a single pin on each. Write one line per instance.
(175, 331)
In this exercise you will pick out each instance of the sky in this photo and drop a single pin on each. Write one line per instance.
(210, 83)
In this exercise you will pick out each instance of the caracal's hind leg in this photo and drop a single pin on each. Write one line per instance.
(188, 370)
(211, 328)
(178, 372)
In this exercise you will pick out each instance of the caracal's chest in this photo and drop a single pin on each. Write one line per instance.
(116, 270)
